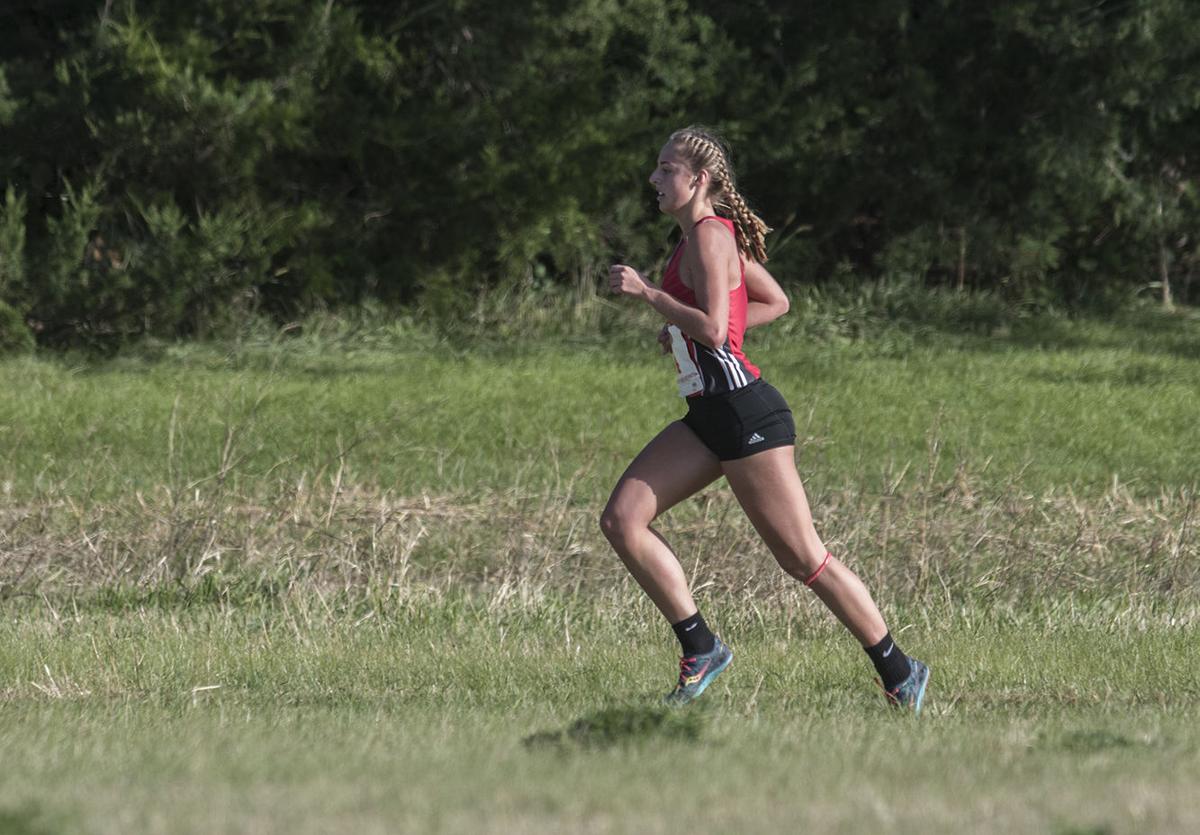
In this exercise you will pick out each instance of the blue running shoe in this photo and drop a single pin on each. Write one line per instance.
(910, 693)
(696, 672)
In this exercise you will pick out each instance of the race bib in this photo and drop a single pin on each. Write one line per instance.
(689, 379)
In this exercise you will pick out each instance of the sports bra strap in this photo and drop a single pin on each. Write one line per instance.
(711, 217)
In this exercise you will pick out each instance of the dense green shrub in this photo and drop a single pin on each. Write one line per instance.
(172, 165)
(15, 335)
(12, 243)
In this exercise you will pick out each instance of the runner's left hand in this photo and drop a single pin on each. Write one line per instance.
(664, 340)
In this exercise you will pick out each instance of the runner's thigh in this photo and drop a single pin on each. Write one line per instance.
(670, 468)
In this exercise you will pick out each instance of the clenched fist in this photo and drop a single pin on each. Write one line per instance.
(626, 281)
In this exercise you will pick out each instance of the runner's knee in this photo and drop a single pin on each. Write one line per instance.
(800, 562)
(619, 520)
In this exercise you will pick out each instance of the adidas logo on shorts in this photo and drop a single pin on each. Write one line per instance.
(755, 438)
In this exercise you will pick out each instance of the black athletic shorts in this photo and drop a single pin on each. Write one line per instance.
(742, 422)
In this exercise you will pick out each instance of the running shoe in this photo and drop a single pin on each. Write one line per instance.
(696, 672)
(910, 693)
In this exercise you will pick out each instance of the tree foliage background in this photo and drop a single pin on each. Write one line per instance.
(166, 164)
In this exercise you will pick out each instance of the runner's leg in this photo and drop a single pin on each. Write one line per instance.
(672, 467)
(770, 491)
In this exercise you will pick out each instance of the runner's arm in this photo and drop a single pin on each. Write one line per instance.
(766, 299)
(706, 262)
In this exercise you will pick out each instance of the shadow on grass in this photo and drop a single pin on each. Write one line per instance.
(622, 725)
(26, 820)
(1148, 331)
(1086, 741)
(208, 591)
(1130, 375)
(1091, 741)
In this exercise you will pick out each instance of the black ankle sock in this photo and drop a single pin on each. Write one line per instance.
(694, 635)
(891, 664)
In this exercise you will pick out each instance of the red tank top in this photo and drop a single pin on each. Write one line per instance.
(704, 369)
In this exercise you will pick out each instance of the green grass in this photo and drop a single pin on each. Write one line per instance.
(354, 582)
(1065, 405)
(301, 719)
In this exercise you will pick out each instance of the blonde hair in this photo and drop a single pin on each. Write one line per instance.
(702, 149)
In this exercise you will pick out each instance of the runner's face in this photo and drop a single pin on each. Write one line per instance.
(674, 182)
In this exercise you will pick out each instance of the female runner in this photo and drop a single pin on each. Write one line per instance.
(737, 424)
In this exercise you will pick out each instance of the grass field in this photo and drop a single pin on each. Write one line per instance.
(356, 584)
(440, 715)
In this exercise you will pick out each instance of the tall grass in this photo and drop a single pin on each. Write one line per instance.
(371, 454)
(927, 542)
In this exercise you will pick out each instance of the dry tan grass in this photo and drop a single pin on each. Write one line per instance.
(921, 540)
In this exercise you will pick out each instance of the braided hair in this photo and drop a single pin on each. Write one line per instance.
(702, 149)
